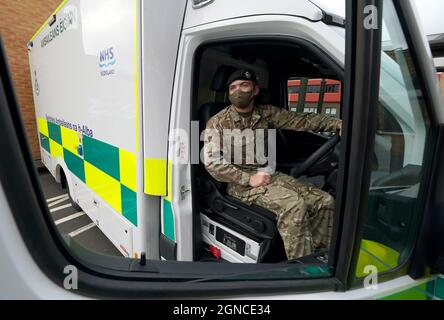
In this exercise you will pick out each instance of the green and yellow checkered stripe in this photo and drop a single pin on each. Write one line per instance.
(431, 289)
(168, 214)
(109, 171)
(158, 182)
(376, 254)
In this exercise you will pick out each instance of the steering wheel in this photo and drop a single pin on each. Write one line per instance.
(299, 171)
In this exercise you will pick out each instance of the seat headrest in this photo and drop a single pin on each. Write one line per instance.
(263, 97)
(219, 83)
(207, 111)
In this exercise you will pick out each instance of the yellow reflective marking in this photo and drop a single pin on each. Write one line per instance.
(375, 254)
(104, 186)
(128, 169)
(155, 177)
(43, 126)
(56, 149)
(70, 139)
(170, 181)
(47, 20)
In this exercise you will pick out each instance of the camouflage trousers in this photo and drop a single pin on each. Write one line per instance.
(304, 212)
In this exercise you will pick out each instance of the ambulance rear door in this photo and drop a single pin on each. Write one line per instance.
(162, 23)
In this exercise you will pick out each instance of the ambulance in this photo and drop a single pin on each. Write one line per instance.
(123, 90)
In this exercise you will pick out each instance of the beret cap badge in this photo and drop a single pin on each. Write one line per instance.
(242, 75)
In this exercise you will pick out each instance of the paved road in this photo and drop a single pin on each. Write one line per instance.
(72, 222)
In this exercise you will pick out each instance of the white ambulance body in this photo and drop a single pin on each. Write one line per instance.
(86, 76)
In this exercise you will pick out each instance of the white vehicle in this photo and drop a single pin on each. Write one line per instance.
(123, 89)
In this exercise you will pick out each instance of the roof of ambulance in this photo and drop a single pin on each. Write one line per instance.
(228, 9)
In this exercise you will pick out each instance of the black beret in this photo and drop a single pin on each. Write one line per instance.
(242, 75)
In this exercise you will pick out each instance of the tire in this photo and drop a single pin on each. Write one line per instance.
(74, 204)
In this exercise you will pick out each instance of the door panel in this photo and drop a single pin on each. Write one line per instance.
(395, 205)
(404, 143)
(162, 26)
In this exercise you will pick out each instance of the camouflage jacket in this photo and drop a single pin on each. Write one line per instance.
(219, 158)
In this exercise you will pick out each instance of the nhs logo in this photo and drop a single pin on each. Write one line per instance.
(107, 59)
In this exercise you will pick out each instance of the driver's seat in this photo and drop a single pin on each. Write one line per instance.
(252, 221)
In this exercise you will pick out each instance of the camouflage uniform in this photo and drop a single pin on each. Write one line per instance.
(304, 213)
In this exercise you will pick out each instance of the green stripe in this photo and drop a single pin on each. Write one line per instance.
(168, 220)
(55, 133)
(75, 164)
(129, 204)
(317, 270)
(410, 294)
(439, 289)
(424, 291)
(44, 142)
(103, 156)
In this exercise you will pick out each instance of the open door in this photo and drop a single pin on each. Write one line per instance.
(162, 27)
(392, 169)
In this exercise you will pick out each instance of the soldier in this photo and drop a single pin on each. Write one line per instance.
(304, 213)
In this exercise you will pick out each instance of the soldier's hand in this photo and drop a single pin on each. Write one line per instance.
(260, 179)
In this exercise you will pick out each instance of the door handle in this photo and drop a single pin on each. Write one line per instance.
(183, 191)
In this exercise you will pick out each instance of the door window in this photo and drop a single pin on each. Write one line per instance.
(394, 206)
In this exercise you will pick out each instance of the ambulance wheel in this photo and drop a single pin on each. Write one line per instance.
(65, 186)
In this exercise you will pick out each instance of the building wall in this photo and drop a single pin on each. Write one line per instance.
(19, 20)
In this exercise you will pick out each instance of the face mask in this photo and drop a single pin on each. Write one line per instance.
(241, 99)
